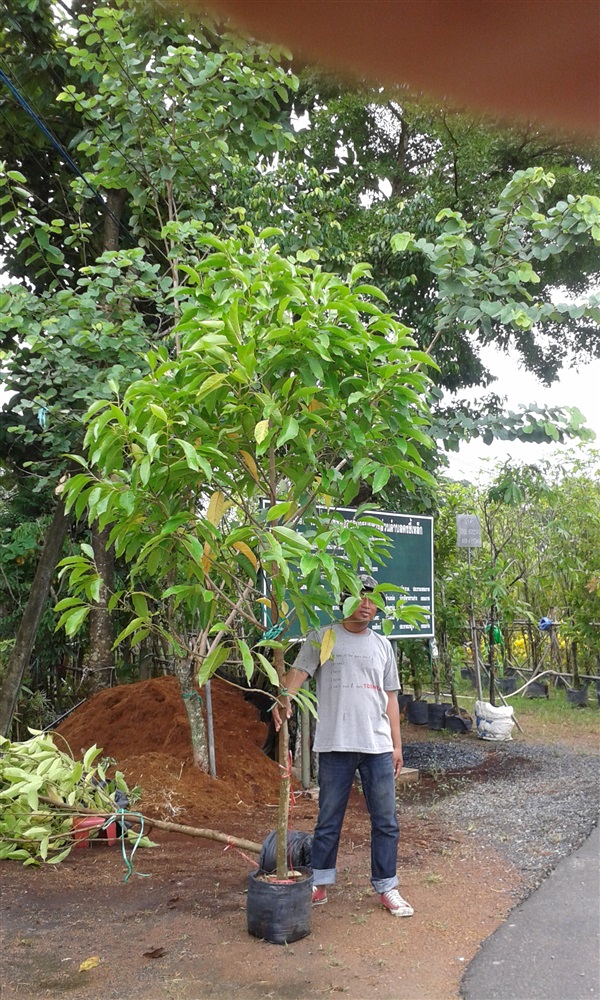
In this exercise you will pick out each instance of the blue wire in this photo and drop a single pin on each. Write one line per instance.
(57, 145)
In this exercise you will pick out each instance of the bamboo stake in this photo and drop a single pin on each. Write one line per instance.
(190, 831)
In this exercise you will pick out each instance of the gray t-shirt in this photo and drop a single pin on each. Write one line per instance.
(351, 690)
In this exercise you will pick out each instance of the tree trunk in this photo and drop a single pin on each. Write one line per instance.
(283, 811)
(100, 659)
(25, 638)
(193, 707)
(576, 678)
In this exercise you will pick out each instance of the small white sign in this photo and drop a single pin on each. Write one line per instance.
(468, 531)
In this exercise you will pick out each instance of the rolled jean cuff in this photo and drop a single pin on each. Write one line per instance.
(384, 884)
(325, 876)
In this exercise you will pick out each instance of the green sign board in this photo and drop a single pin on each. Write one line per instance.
(409, 565)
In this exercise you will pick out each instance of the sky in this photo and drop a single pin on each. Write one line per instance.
(578, 387)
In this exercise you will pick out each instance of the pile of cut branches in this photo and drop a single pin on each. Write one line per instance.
(43, 789)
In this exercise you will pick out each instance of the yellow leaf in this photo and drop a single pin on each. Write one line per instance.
(315, 405)
(216, 508)
(327, 644)
(250, 464)
(284, 607)
(90, 963)
(206, 558)
(246, 551)
(265, 601)
(261, 430)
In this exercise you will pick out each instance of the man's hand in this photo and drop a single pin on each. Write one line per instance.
(281, 707)
(397, 760)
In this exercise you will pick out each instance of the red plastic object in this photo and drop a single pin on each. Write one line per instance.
(84, 825)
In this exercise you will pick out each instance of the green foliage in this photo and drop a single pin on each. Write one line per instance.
(33, 830)
(486, 282)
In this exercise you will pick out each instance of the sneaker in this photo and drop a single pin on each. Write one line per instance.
(319, 895)
(392, 900)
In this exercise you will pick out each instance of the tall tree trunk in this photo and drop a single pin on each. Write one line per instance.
(193, 707)
(100, 659)
(25, 639)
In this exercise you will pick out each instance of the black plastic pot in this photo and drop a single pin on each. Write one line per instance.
(279, 912)
(436, 716)
(461, 723)
(417, 712)
(404, 701)
(507, 685)
(578, 699)
(468, 674)
(537, 689)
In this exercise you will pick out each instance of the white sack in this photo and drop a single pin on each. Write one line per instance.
(493, 722)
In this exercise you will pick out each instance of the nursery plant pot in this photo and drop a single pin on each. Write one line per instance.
(507, 685)
(461, 723)
(436, 716)
(404, 701)
(279, 912)
(537, 689)
(577, 698)
(417, 712)
(87, 827)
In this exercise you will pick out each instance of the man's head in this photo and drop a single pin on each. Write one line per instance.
(367, 609)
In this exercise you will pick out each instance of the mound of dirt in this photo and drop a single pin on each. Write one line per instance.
(144, 727)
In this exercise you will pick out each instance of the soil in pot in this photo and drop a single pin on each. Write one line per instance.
(417, 712)
(279, 911)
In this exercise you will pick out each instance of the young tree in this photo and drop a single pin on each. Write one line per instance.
(291, 386)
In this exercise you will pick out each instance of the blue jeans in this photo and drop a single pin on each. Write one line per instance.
(336, 774)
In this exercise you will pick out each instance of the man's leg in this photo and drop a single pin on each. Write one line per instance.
(377, 776)
(336, 774)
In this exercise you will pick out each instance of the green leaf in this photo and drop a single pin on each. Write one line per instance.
(268, 669)
(212, 662)
(247, 661)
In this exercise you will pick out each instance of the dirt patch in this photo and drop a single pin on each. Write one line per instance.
(181, 931)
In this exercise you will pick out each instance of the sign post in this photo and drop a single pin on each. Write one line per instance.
(468, 536)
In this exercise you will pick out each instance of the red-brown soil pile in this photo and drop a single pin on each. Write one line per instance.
(144, 727)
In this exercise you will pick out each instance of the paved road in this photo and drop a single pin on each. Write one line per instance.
(549, 948)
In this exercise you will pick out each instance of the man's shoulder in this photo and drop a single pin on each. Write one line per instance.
(381, 640)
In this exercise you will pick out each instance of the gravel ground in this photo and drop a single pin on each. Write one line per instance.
(535, 804)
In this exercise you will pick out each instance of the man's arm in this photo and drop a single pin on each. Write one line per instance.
(393, 714)
(292, 682)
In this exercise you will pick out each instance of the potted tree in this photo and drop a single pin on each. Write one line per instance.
(219, 473)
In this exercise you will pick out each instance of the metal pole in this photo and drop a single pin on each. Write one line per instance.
(474, 650)
(210, 733)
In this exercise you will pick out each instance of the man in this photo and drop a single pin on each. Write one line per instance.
(358, 729)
